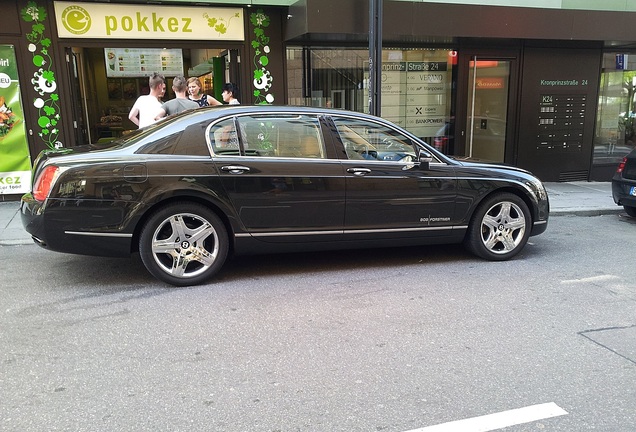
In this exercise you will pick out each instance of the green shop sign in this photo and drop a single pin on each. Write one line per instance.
(15, 163)
(102, 20)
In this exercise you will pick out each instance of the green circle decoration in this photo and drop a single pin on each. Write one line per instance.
(44, 121)
(76, 20)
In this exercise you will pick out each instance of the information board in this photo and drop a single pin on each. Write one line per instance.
(141, 62)
(414, 95)
(561, 122)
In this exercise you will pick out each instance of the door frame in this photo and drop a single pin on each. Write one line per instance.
(464, 58)
(70, 87)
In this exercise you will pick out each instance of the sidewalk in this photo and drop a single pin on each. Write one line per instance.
(574, 198)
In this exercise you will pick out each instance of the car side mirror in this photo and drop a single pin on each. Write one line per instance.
(425, 159)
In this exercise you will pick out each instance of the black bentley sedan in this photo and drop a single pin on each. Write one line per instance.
(194, 188)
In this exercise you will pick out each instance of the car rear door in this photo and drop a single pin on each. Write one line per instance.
(389, 195)
(281, 175)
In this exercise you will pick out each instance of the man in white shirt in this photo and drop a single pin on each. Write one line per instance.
(146, 107)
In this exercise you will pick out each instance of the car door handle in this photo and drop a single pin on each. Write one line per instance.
(360, 172)
(235, 169)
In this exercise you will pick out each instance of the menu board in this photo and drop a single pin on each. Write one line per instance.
(140, 62)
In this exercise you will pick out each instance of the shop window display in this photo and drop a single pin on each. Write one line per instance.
(615, 134)
(111, 79)
(416, 86)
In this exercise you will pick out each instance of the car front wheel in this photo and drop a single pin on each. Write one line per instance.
(631, 211)
(183, 244)
(499, 228)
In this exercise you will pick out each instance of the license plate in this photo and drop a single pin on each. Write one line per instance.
(632, 191)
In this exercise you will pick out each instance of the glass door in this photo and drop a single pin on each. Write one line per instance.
(80, 106)
(487, 83)
(487, 108)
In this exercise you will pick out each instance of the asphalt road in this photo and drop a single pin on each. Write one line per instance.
(378, 340)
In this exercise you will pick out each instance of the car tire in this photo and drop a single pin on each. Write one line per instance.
(631, 211)
(183, 244)
(499, 228)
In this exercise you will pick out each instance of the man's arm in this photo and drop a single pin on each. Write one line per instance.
(161, 114)
(133, 114)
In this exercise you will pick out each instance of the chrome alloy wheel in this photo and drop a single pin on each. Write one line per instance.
(185, 245)
(503, 227)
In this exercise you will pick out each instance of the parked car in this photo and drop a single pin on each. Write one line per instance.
(190, 190)
(624, 184)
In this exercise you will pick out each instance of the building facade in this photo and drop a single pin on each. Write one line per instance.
(549, 88)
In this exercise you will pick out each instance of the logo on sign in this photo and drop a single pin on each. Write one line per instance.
(76, 20)
(5, 80)
(490, 83)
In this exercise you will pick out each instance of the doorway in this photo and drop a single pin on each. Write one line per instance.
(105, 82)
(486, 106)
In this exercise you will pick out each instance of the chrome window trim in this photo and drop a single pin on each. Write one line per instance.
(318, 114)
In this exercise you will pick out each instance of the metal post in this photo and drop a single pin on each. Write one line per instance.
(375, 55)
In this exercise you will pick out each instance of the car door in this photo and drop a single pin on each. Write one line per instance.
(281, 176)
(389, 193)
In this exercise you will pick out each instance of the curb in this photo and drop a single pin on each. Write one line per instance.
(585, 212)
(20, 242)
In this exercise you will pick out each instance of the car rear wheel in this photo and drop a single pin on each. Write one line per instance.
(499, 228)
(631, 211)
(183, 244)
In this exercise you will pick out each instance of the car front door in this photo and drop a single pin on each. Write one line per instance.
(390, 194)
(281, 176)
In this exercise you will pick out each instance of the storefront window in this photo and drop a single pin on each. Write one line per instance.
(415, 90)
(615, 134)
(108, 81)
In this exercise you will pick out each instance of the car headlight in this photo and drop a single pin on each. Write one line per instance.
(537, 188)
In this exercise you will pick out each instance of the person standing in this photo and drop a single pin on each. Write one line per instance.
(180, 102)
(230, 94)
(146, 107)
(194, 90)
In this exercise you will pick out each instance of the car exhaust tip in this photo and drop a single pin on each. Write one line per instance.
(38, 241)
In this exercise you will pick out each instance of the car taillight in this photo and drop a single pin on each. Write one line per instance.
(44, 182)
(621, 166)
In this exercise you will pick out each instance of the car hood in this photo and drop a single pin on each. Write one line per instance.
(475, 162)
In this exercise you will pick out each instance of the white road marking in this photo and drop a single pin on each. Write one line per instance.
(498, 420)
(601, 278)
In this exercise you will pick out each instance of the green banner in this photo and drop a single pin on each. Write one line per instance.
(15, 163)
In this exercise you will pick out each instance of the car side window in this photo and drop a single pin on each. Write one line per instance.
(281, 135)
(273, 135)
(373, 141)
(223, 138)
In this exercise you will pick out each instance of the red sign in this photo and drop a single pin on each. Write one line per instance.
(490, 83)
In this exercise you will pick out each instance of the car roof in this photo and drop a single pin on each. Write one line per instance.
(225, 110)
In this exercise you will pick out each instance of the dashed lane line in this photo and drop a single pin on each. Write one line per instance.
(499, 420)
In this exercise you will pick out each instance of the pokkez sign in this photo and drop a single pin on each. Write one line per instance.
(102, 20)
